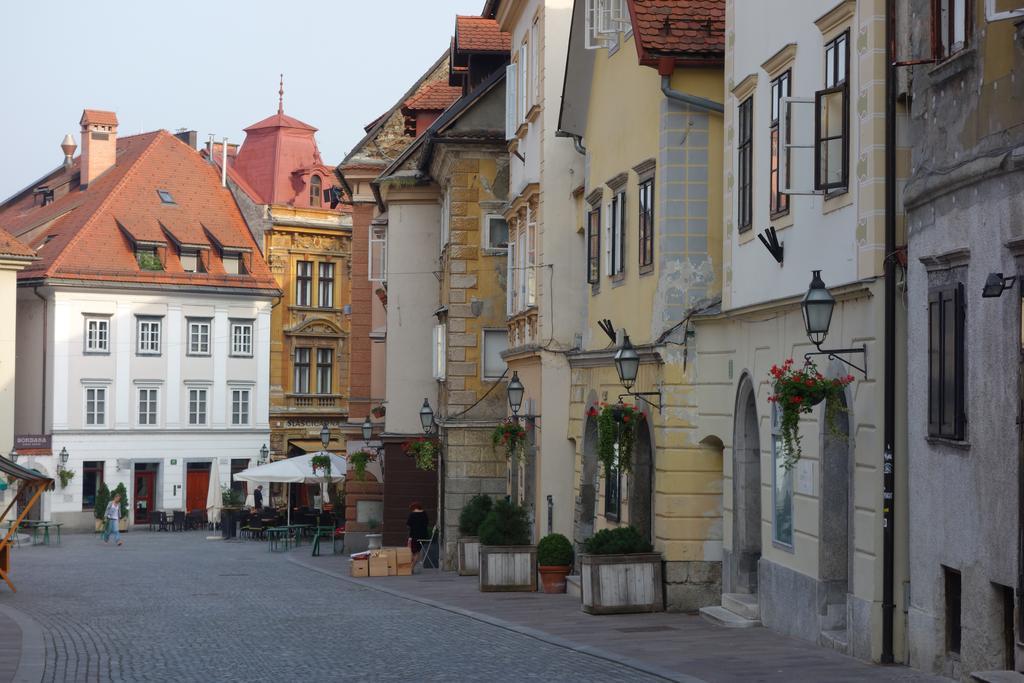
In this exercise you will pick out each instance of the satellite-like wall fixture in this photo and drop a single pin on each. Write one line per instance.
(771, 242)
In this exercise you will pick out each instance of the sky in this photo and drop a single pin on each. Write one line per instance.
(210, 66)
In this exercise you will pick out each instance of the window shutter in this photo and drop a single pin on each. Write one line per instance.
(621, 265)
(794, 175)
(831, 138)
(934, 362)
(511, 122)
(609, 239)
(510, 285)
(524, 83)
(959, 380)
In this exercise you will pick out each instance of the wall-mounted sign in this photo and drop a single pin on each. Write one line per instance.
(32, 441)
(174, 461)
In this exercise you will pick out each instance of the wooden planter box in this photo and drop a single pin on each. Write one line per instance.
(508, 568)
(618, 584)
(469, 556)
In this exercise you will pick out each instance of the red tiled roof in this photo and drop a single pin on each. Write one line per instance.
(280, 120)
(10, 246)
(86, 234)
(105, 118)
(476, 34)
(679, 28)
(433, 96)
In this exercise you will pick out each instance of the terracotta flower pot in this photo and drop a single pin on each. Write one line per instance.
(553, 578)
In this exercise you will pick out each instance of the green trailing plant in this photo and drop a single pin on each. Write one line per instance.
(511, 436)
(623, 540)
(321, 463)
(124, 499)
(99, 508)
(505, 524)
(473, 514)
(616, 434)
(797, 391)
(149, 261)
(65, 477)
(358, 462)
(554, 550)
(424, 451)
(378, 411)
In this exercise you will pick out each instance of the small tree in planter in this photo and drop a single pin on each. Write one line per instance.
(554, 561)
(511, 436)
(99, 508)
(124, 507)
(473, 514)
(796, 393)
(507, 561)
(619, 573)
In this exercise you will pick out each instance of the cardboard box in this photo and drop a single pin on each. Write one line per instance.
(378, 566)
(391, 554)
(360, 568)
(404, 569)
(404, 556)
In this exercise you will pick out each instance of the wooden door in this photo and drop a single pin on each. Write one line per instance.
(197, 485)
(145, 496)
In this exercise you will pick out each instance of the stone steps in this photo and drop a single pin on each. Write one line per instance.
(742, 604)
(572, 585)
(834, 640)
(723, 617)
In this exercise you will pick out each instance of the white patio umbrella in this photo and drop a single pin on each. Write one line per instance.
(214, 499)
(298, 470)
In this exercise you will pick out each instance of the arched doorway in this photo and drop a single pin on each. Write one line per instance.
(834, 549)
(641, 483)
(746, 493)
(586, 497)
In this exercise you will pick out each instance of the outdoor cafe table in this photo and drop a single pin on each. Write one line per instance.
(280, 538)
(35, 527)
(323, 532)
(297, 531)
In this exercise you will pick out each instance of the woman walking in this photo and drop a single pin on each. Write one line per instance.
(113, 517)
(417, 523)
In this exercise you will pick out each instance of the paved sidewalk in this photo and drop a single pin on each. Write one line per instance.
(677, 647)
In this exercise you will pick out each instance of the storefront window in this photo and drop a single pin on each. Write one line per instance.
(782, 487)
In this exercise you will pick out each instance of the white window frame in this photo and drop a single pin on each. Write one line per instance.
(524, 82)
(615, 212)
(486, 232)
(522, 249)
(530, 260)
(511, 120)
(535, 60)
(202, 399)
(787, 142)
(101, 396)
(147, 341)
(197, 348)
(510, 279)
(235, 397)
(494, 334)
(242, 335)
(102, 334)
(446, 205)
(151, 417)
(378, 247)
(440, 351)
(593, 40)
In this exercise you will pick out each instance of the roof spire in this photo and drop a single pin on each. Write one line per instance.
(280, 97)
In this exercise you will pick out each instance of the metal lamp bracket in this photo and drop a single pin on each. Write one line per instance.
(831, 355)
(642, 394)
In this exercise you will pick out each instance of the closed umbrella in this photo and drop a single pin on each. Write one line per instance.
(214, 499)
(297, 470)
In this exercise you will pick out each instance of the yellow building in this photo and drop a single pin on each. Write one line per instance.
(650, 219)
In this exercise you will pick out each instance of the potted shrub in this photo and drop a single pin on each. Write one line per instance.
(122, 523)
(473, 514)
(99, 508)
(554, 561)
(619, 573)
(797, 391)
(507, 560)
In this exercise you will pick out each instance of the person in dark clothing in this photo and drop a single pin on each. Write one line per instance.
(257, 497)
(418, 523)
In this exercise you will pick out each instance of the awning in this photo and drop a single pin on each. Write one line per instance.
(314, 445)
(13, 469)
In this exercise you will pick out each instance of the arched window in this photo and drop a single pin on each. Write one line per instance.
(315, 196)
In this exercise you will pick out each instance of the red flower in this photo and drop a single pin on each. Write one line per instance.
(625, 418)
(796, 399)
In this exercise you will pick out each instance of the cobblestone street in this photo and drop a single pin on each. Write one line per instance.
(176, 607)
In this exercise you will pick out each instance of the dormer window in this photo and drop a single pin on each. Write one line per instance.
(233, 264)
(191, 262)
(165, 196)
(148, 259)
(315, 196)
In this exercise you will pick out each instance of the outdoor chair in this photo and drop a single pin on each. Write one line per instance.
(153, 521)
(430, 551)
(161, 519)
(178, 521)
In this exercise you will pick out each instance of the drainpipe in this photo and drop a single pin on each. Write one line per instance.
(889, 383)
(46, 316)
(666, 65)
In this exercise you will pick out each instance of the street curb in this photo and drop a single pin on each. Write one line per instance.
(536, 634)
(32, 662)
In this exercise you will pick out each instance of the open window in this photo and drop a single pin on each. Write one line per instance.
(603, 21)
(594, 246)
(379, 254)
(511, 102)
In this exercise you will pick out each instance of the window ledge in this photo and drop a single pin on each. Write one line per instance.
(595, 289)
(619, 279)
(494, 251)
(611, 517)
(953, 66)
(534, 112)
(783, 547)
(522, 130)
(646, 270)
(950, 443)
(840, 199)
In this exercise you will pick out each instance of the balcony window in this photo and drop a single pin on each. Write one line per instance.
(303, 283)
(324, 370)
(300, 383)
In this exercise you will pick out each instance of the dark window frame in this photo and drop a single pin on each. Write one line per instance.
(778, 202)
(946, 346)
(953, 589)
(320, 366)
(947, 46)
(837, 82)
(645, 222)
(617, 235)
(300, 383)
(95, 468)
(325, 284)
(594, 245)
(745, 165)
(316, 197)
(304, 283)
(612, 493)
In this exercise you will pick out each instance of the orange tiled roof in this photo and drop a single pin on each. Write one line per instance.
(433, 96)
(477, 34)
(105, 118)
(10, 246)
(686, 28)
(88, 234)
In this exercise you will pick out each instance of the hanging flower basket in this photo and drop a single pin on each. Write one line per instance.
(798, 391)
(321, 463)
(511, 436)
(378, 411)
(424, 451)
(65, 477)
(616, 434)
(358, 462)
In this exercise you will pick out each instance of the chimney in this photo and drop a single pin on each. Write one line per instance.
(99, 143)
(189, 137)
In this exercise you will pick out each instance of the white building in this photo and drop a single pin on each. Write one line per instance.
(143, 344)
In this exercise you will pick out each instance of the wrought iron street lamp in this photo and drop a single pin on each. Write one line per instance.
(367, 428)
(264, 454)
(996, 284)
(63, 457)
(627, 366)
(427, 417)
(817, 307)
(325, 436)
(515, 394)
